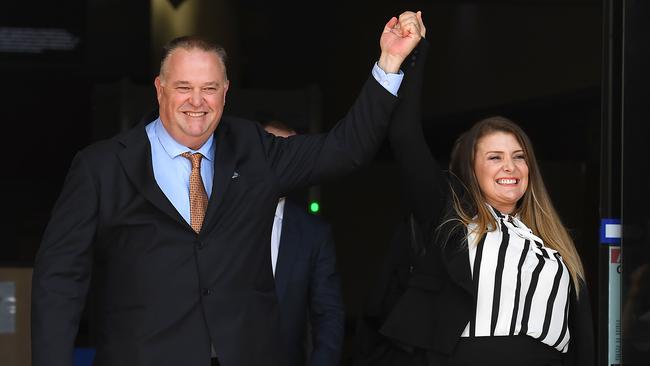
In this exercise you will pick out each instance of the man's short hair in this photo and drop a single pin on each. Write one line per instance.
(192, 42)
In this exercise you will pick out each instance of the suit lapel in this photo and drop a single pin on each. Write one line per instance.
(224, 169)
(136, 160)
(289, 242)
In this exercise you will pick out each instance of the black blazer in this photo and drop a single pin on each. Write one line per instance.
(162, 293)
(309, 289)
(431, 305)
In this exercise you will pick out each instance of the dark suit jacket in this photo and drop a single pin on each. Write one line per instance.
(425, 309)
(309, 287)
(163, 294)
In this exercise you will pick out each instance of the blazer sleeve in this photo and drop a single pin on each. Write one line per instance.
(307, 159)
(423, 183)
(326, 309)
(422, 189)
(62, 269)
(581, 346)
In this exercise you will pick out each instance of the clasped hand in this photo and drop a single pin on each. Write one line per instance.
(399, 37)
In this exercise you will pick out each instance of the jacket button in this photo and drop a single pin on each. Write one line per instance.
(206, 291)
(199, 244)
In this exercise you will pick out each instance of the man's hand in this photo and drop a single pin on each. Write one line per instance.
(399, 38)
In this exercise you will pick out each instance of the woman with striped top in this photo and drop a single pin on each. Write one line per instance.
(498, 280)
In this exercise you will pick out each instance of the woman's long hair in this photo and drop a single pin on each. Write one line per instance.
(534, 208)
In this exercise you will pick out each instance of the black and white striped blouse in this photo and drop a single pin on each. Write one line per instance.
(522, 286)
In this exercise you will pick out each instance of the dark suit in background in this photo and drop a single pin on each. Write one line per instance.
(309, 290)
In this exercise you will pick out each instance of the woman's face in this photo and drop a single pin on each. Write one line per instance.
(501, 170)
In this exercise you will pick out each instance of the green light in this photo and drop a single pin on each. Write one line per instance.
(314, 207)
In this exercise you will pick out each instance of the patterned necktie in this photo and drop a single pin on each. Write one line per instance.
(198, 196)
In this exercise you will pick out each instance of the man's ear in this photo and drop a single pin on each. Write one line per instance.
(226, 85)
(158, 84)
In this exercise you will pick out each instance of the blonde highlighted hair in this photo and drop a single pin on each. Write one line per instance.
(534, 208)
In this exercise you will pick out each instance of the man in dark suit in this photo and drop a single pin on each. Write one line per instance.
(170, 221)
(307, 282)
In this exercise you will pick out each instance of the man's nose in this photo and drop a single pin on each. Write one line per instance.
(196, 98)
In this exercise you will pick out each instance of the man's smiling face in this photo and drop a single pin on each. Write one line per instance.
(191, 91)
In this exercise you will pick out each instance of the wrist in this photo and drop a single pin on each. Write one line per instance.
(389, 64)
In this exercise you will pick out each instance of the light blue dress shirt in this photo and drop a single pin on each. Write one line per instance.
(390, 82)
(172, 171)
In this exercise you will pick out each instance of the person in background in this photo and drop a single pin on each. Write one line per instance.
(307, 281)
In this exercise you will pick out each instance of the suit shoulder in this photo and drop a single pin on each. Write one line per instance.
(246, 136)
(103, 151)
(237, 125)
(100, 146)
(99, 149)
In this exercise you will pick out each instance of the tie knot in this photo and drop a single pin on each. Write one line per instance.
(194, 158)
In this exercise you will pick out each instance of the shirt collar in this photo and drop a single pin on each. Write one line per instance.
(279, 210)
(520, 229)
(498, 215)
(173, 148)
